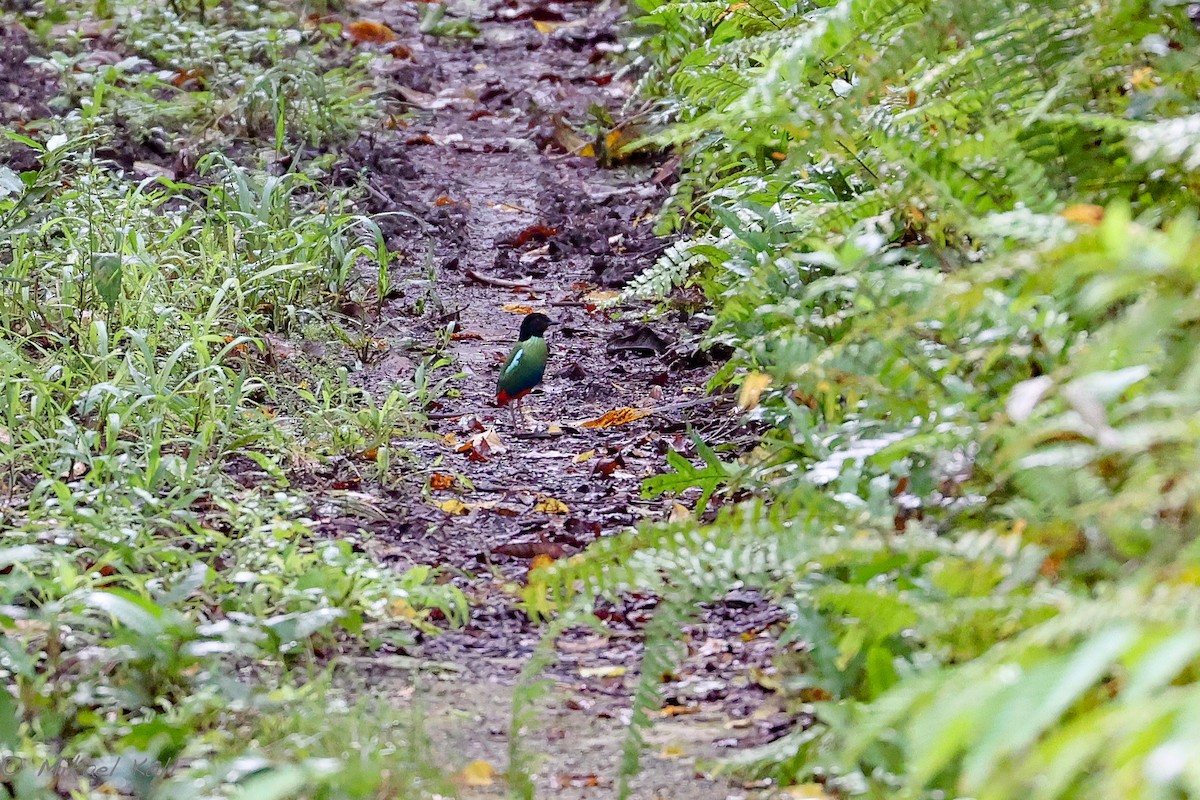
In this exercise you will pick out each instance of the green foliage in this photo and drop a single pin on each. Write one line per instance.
(960, 239)
(166, 595)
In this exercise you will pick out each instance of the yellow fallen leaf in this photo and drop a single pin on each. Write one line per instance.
(517, 308)
(477, 773)
(1083, 213)
(539, 561)
(618, 416)
(548, 27)
(752, 389)
(671, 751)
(550, 505)
(586, 455)
(806, 791)
(453, 506)
(610, 671)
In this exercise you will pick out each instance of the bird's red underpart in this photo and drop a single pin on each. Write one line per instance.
(504, 398)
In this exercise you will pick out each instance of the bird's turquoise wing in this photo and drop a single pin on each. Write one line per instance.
(524, 367)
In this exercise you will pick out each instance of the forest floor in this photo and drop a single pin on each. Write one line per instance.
(522, 210)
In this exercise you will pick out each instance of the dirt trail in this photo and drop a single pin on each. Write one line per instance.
(481, 164)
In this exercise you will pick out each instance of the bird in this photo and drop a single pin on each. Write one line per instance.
(526, 363)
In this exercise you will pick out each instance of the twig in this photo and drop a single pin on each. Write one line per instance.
(503, 282)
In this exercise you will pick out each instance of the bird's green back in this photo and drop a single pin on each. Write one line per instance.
(524, 367)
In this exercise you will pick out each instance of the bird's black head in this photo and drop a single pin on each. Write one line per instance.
(534, 325)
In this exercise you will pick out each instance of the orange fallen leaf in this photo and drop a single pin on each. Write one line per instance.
(369, 455)
(445, 201)
(1083, 213)
(458, 337)
(188, 79)
(550, 26)
(367, 31)
(678, 711)
(517, 308)
(440, 480)
(539, 561)
(618, 416)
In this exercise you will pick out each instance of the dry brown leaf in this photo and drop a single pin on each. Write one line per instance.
(366, 31)
(1083, 213)
(482, 445)
(551, 505)
(618, 416)
(477, 773)
(752, 389)
(533, 233)
(440, 480)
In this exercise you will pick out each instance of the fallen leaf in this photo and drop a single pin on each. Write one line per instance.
(679, 513)
(188, 79)
(533, 550)
(1083, 213)
(548, 27)
(671, 751)
(458, 337)
(477, 773)
(550, 505)
(349, 483)
(517, 308)
(566, 781)
(678, 711)
(440, 480)
(540, 560)
(570, 141)
(618, 416)
(586, 455)
(752, 389)
(453, 506)
(607, 671)
(806, 791)
(598, 297)
(482, 445)
(366, 31)
(369, 455)
(533, 233)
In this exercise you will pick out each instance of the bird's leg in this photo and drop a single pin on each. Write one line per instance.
(512, 411)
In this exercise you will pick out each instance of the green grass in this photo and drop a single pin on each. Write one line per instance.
(165, 595)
